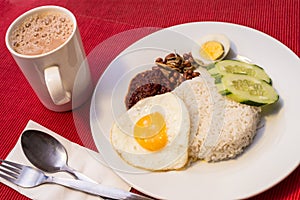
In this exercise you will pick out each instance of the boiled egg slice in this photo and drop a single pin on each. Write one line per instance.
(210, 49)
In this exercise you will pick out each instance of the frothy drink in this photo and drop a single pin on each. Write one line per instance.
(41, 33)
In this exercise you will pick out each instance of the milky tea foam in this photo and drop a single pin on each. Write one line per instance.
(41, 33)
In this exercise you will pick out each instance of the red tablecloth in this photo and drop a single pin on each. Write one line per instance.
(99, 20)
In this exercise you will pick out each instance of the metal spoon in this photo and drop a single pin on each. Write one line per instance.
(47, 153)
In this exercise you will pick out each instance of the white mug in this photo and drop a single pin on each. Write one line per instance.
(61, 77)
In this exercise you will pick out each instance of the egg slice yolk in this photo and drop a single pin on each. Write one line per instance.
(150, 132)
(212, 50)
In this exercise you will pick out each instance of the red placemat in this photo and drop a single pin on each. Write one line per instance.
(99, 20)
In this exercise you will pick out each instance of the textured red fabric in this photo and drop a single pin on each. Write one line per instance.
(99, 20)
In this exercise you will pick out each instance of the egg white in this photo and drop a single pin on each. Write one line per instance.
(175, 154)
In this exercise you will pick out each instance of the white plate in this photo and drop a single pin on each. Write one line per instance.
(274, 153)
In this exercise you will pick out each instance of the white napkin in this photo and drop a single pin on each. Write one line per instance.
(79, 158)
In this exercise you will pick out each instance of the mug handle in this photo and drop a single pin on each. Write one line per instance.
(55, 86)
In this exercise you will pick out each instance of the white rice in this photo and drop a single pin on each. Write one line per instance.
(220, 128)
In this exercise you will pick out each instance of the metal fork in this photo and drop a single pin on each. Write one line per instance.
(28, 177)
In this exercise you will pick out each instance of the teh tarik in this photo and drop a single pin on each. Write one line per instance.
(41, 33)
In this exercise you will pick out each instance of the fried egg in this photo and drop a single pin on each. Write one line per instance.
(153, 134)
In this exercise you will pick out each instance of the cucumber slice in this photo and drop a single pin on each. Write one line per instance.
(247, 90)
(237, 67)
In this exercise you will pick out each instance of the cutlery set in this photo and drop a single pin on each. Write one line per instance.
(49, 155)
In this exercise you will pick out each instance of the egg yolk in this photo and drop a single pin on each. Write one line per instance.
(212, 50)
(150, 132)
